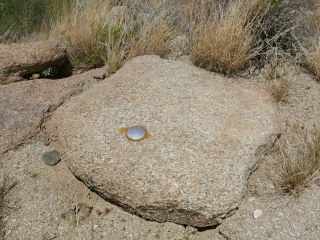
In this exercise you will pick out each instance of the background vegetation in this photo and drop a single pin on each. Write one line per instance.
(96, 36)
(226, 36)
(19, 18)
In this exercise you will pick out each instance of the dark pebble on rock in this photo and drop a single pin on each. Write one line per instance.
(51, 157)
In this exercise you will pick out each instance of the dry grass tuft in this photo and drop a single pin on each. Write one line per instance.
(297, 172)
(312, 56)
(224, 39)
(278, 84)
(224, 35)
(161, 22)
(81, 24)
(309, 42)
(152, 40)
(97, 32)
(279, 89)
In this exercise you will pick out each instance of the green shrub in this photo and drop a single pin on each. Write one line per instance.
(19, 18)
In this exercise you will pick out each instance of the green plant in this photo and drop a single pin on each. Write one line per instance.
(35, 175)
(19, 18)
(78, 22)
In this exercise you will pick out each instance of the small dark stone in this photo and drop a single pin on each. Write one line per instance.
(100, 76)
(51, 158)
(107, 210)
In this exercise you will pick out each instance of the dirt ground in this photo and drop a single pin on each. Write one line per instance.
(44, 202)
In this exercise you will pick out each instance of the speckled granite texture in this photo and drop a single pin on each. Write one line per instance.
(208, 133)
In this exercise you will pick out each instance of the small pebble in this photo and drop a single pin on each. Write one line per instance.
(51, 158)
(35, 76)
(100, 76)
(270, 186)
(257, 213)
(280, 214)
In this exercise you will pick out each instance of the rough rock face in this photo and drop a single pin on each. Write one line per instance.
(25, 104)
(44, 206)
(208, 133)
(19, 60)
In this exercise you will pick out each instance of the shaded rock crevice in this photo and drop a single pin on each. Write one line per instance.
(263, 150)
(224, 235)
(19, 61)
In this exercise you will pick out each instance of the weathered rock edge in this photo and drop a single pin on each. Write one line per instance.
(171, 211)
(26, 105)
(18, 60)
(207, 182)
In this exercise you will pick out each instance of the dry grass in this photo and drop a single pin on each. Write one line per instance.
(161, 23)
(298, 171)
(98, 33)
(81, 23)
(309, 42)
(224, 35)
(152, 40)
(278, 84)
(279, 89)
(312, 56)
(224, 39)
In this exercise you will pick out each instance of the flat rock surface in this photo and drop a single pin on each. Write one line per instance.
(208, 133)
(284, 216)
(20, 59)
(41, 204)
(24, 105)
